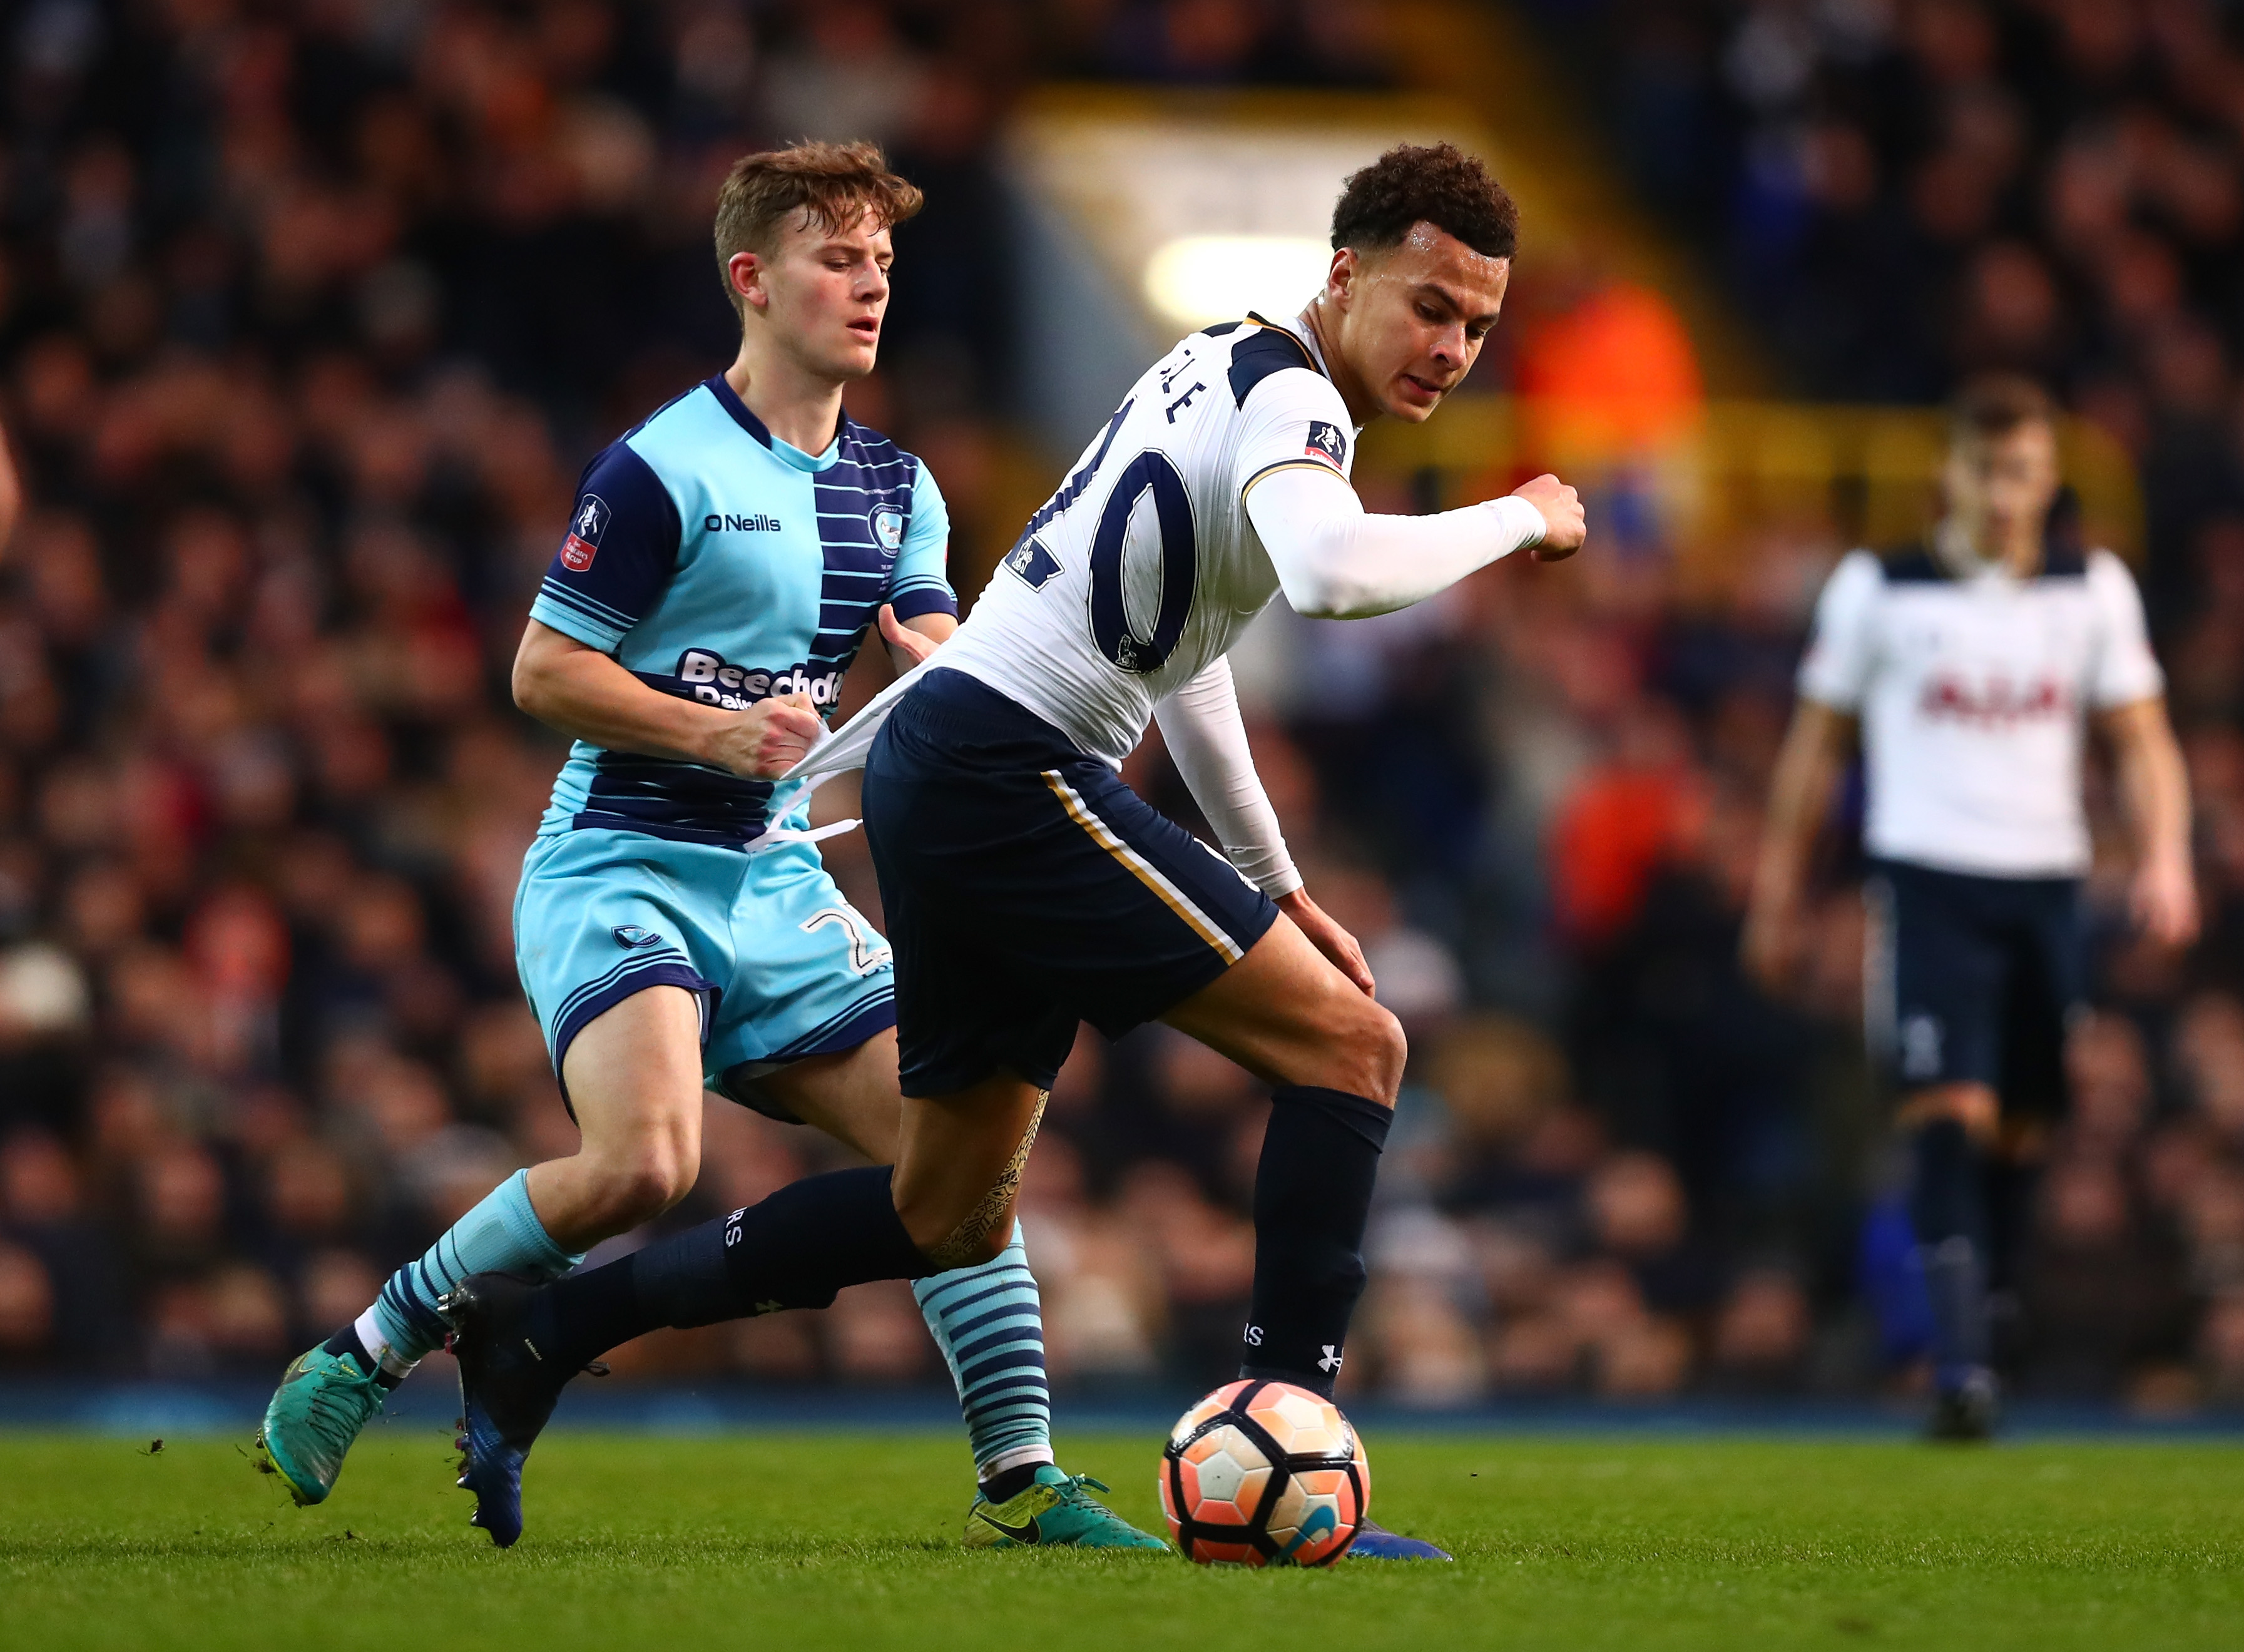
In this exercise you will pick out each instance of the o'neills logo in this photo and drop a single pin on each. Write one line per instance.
(731, 687)
(1999, 702)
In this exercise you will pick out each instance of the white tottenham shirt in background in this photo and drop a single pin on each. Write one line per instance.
(1221, 480)
(1973, 693)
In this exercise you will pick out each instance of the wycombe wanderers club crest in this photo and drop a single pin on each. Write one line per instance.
(887, 529)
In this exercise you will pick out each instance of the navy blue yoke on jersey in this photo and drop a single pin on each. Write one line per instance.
(719, 564)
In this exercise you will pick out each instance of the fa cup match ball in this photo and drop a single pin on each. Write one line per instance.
(1264, 1475)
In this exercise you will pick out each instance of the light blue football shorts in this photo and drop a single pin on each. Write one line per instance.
(783, 965)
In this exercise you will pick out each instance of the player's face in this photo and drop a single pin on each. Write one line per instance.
(2002, 486)
(825, 293)
(1413, 318)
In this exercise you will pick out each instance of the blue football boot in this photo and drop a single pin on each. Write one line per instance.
(508, 1391)
(1374, 1542)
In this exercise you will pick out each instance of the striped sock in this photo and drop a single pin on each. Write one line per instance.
(502, 1235)
(989, 1322)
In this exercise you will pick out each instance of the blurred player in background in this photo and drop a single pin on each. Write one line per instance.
(1030, 890)
(674, 927)
(1969, 666)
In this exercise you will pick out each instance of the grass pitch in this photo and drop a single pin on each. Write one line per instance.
(818, 1540)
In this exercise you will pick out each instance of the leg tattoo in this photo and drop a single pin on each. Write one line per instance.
(961, 1249)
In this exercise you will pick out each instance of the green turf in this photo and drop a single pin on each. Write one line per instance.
(812, 1541)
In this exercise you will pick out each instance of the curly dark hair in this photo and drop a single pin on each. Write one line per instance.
(1442, 185)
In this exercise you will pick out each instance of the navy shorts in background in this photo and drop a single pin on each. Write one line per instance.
(1026, 890)
(1975, 979)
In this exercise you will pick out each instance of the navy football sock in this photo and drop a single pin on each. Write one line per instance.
(1312, 1197)
(1009, 1483)
(1947, 1207)
(796, 1249)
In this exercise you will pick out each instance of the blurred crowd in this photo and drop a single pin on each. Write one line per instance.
(1906, 188)
(309, 314)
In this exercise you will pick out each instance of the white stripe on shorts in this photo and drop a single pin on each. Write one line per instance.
(1145, 873)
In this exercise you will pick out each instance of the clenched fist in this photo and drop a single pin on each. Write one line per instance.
(767, 739)
(1564, 525)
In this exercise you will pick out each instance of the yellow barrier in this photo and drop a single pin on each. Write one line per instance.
(1861, 474)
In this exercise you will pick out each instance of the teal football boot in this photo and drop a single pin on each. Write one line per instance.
(323, 1400)
(1056, 1511)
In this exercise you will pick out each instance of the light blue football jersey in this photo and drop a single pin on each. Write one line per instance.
(719, 564)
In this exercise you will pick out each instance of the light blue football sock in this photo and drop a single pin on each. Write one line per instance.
(989, 1322)
(502, 1235)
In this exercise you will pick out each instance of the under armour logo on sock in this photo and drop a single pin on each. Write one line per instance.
(1330, 1363)
(1254, 1336)
(770, 1307)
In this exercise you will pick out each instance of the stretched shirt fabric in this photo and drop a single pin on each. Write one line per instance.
(718, 563)
(1973, 691)
(1221, 480)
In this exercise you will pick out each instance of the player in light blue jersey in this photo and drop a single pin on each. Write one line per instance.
(675, 929)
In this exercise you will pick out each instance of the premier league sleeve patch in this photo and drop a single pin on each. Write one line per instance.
(585, 530)
(1327, 442)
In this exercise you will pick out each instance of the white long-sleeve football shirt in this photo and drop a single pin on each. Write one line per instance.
(1973, 692)
(1222, 479)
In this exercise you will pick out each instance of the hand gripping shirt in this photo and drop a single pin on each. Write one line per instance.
(719, 564)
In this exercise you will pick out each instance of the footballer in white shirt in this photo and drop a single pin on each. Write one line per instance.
(1969, 667)
(1027, 890)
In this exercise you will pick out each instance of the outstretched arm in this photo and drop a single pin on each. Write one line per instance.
(1207, 738)
(2154, 787)
(1335, 561)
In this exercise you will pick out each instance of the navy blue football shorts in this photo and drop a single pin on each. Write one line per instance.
(1975, 979)
(1027, 890)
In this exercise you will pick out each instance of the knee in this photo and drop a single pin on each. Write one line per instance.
(1369, 1053)
(640, 1186)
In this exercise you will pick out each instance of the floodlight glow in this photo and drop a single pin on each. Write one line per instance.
(1198, 279)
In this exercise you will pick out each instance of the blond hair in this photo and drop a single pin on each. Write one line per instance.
(833, 184)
